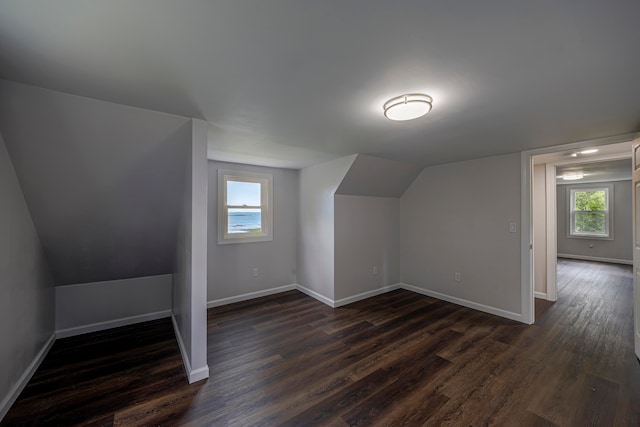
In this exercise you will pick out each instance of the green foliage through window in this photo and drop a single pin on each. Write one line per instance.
(590, 200)
(589, 209)
(590, 217)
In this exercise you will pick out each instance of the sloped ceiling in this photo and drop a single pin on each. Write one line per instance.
(372, 176)
(312, 75)
(103, 182)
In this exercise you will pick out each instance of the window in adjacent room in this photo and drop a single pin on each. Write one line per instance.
(245, 211)
(590, 212)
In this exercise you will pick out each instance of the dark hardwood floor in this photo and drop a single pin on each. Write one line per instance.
(396, 359)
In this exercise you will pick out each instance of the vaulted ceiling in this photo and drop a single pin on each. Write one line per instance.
(86, 87)
(104, 183)
(290, 82)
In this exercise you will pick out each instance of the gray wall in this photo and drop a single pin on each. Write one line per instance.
(230, 265)
(318, 185)
(103, 181)
(367, 234)
(189, 303)
(26, 285)
(111, 303)
(455, 218)
(620, 248)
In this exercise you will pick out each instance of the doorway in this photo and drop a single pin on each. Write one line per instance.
(540, 220)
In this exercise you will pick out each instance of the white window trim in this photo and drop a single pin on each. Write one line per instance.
(608, 213)
(266, 180)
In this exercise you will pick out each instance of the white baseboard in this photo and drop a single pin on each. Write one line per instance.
(595, 258)
(465, 303)
(192, 375)
(314, 294)
(307, 291)
(84, 304)
(348, 300)
(183, 351)
(199, 374)
(250, 295)
(542, 295)
(365, 295)
(101, 326)
(24, 379)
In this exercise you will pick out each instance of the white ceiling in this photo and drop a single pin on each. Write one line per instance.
(612, 170)
(606, 150)
(290, 82)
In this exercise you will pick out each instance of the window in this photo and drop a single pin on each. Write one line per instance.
(245, 212)
(590, 213)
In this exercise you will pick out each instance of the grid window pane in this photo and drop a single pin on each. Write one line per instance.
(590, 212)
(245, 207)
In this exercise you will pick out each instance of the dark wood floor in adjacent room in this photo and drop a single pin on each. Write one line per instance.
(396, 359)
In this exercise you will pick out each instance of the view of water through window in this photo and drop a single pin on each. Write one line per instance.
(244, 221)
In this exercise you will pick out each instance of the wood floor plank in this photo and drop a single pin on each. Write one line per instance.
(396, 359)
(370, 409)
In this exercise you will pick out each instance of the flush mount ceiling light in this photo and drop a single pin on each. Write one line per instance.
(572, 176)
(407, 107)
(587, 151)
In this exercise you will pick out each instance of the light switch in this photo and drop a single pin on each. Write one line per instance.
(513, 227)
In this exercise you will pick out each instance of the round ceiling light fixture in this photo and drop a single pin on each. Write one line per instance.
(407, 107)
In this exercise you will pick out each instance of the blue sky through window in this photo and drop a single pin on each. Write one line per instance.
(243, 193)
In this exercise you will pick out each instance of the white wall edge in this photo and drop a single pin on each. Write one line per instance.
(552, 232)
(109, 324)
(541, 295)
(598, 259)
(465, 303)
(527, 300)
(314, 294)
(26, 376)
(365, 295)
(251, 295)
(192, 375)
(183, 351)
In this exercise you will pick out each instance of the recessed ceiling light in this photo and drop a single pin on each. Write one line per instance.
(589, 151)
(407, 107)
(572, 176)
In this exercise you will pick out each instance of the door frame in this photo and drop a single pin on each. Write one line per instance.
(635, 182)
(526, 231)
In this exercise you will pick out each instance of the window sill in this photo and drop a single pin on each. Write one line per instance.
(589, 237)
(244, 239)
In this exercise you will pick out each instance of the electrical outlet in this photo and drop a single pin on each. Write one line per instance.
(255, 272)
(374, 270)
(457, 276)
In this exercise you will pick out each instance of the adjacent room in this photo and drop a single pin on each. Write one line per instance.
(319, 213)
